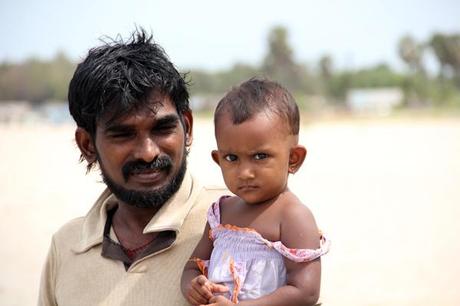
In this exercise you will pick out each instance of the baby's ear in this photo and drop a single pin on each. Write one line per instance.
(296, 158)
(215, 156)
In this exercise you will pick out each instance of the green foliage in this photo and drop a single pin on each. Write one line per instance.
(444, 93)
(203, 82)
(411, 53)
(447, 50)
(378, 76)
(36, 80)
(326, 67)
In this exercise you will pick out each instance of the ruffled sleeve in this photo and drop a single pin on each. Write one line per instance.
(214, 215)
(301, 255)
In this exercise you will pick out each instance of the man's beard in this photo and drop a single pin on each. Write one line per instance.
(146, 199)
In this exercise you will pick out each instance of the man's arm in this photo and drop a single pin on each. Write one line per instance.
(46, 295)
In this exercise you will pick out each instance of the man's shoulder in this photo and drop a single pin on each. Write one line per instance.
(215, 188)
(69, 231)
(210, 193)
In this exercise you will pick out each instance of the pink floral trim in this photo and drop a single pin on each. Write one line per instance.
(201, 264)
(236, 282)
(301, 255)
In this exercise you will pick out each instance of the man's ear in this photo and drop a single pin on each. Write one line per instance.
(188, 127)
(296, 158)
(215, 156)
(86, 145)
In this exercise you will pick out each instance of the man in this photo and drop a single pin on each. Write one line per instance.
(133, 121)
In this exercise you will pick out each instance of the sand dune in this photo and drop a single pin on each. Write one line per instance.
(386, 192)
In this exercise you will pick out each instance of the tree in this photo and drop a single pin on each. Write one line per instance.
(36, 80)
(412, 54)
(326, 74)
(416, 83)
(325, 66)
(279, 63)
(60, 73)
(447, 51)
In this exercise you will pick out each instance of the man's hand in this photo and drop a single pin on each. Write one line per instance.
(200, 291)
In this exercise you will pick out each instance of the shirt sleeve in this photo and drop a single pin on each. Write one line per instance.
(47, 296)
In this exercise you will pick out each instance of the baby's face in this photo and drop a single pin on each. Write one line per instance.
(254, 156)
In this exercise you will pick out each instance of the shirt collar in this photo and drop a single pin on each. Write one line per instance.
(170, 216)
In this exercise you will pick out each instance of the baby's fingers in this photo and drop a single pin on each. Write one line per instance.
(194, 297)
(202, 286)
(193, 300)
(218, 288)
(220, 301)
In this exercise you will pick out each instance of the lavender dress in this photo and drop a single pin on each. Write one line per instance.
(249, 265)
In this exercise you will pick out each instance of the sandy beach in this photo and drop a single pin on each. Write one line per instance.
(385, 191)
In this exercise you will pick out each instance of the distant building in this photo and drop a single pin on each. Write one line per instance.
(204, 102)
(55, 112)
(14, 111)
(374, 100)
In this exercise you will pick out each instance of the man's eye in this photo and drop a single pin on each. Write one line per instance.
(121, 135)
(230, 157)
(165, 129)
(259, 156)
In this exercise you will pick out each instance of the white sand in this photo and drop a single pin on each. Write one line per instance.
(386, 192)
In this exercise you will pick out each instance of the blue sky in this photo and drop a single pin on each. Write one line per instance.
(216, 34)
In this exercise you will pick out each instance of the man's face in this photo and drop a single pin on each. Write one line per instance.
(142, 155)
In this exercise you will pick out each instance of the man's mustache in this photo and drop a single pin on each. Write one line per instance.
(161, 163)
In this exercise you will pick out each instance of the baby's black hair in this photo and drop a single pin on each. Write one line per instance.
(257, 95)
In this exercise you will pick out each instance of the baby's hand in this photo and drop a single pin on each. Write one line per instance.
(200, 290)
(220, 300)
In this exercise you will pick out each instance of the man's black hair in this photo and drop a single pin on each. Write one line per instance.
(257, 95)
(118, 77)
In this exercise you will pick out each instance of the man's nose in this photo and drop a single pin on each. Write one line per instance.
(146, 149)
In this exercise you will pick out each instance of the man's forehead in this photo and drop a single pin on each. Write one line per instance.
(156, 106)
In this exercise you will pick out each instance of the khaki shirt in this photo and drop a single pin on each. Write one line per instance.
(75, 273)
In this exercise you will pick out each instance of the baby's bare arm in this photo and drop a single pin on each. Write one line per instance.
(298, 230)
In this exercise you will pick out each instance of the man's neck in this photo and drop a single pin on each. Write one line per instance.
(133, 217)
(129, 223)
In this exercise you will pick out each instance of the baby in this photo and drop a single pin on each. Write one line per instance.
(260, 246)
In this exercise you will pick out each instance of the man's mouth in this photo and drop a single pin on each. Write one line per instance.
(147, 176)
(147, 171)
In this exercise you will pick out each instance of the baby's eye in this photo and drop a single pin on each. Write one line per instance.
(259, 156)
(230, 157)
